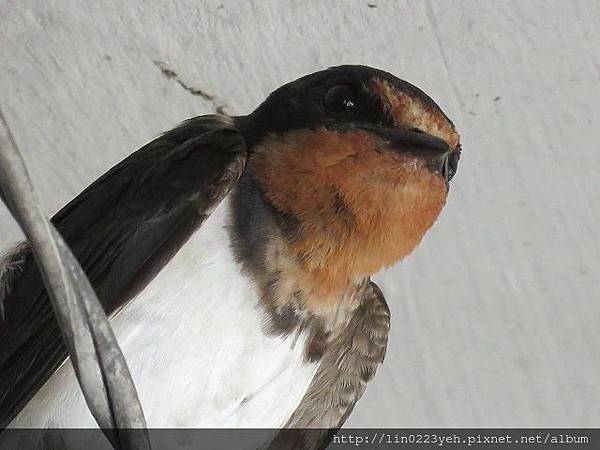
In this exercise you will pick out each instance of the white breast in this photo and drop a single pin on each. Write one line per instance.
(196, 349)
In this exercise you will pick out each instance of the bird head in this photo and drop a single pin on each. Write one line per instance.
(356, 164)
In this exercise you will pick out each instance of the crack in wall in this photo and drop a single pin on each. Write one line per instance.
(172, 75)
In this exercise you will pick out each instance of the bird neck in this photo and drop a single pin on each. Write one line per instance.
(267, 243)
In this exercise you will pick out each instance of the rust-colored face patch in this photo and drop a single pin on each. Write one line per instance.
(410, 112)
(355, 206)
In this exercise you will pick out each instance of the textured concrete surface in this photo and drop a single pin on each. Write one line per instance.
(496, 315)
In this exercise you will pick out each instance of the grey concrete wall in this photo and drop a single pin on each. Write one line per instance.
(496, 315)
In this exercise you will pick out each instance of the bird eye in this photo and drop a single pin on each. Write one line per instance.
(339, 99)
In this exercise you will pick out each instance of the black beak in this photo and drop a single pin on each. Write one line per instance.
(434, 150)
(417, 142)
(451, 165)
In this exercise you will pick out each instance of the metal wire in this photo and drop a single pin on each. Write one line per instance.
(100, 366)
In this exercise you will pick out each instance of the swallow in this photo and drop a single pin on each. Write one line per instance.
(233, 256)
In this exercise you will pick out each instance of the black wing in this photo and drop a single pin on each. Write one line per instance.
(123, 229)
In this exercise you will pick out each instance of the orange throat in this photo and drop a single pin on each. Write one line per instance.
(350, 206)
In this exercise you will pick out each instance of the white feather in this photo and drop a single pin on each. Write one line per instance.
(195, 345)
